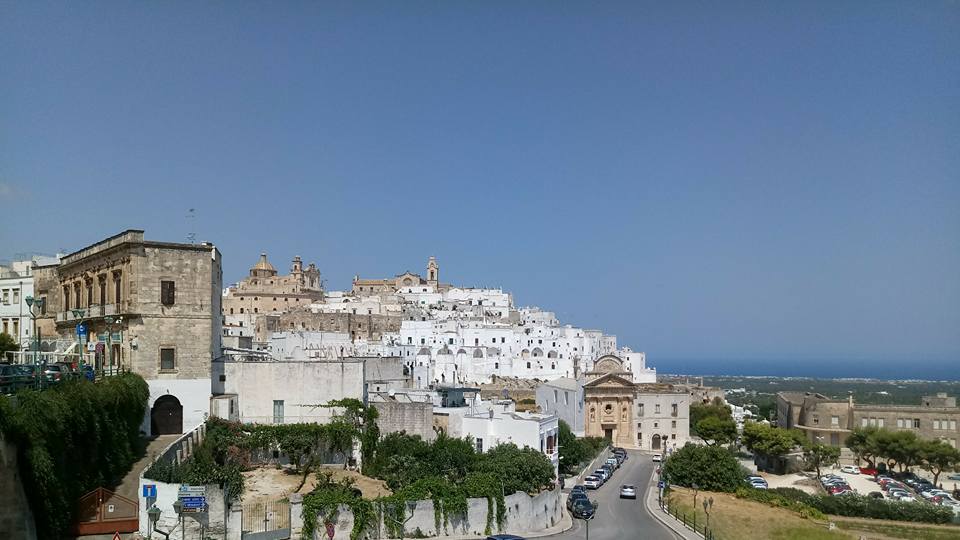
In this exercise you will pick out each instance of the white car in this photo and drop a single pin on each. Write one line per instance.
(657, 458)
(850, 469)
(591, 482)
(628, 492)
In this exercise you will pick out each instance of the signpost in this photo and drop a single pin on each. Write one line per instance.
(149, 491)
(193, 499)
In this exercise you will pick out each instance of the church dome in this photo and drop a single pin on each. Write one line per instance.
(263, 268)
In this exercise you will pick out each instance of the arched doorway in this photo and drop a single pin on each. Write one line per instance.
(166, 417)
(656, 442)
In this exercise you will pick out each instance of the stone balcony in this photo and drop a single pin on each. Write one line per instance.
(93, 312)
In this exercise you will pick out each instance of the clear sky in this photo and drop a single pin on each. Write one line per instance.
(760, 181)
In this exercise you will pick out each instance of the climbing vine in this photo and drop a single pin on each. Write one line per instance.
(71, 439)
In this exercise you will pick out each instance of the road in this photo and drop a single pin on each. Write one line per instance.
(618, 518)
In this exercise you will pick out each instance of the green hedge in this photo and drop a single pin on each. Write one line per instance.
(71, 439)
(848, 505)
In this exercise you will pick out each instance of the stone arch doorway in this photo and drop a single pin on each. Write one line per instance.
(166, 416)
(656, 442)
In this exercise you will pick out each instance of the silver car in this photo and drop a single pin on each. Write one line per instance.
(628, 492)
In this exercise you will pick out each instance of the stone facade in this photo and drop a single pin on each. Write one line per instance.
(830, 421)
(648, 416)
(357, 326)
(150, 307)
(399, 412)
(265, 291)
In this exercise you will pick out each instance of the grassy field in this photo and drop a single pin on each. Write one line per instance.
(735, 519)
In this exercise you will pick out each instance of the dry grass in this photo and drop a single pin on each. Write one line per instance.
(737, 519)
(270, 484)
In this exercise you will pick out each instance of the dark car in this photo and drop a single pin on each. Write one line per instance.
(505, 537)
(583, 509)
(579, 488)
(10, 378)
(574, 497)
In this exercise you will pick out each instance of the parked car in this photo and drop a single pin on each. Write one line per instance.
(954, 477)
(628, 492)
(613, 462)
(592, 482)
(579, 488)
(657, 458)
(850, 469)
(869, 470)
(583, 509)
(574, 497)
(602, 474)
(505, 537)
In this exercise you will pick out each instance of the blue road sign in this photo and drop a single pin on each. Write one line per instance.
(150, 490)
(81, 330)
(661, 484)
(193, 502)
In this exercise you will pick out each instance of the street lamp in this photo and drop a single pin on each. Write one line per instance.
(39, 302)
(79, 314)
(696, 491)
(153, 516)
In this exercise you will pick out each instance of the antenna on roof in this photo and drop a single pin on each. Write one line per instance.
(191, 235)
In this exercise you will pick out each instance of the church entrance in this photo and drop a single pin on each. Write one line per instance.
(656, 442)
(608, 434)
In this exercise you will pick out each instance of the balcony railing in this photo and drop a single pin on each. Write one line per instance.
(91, 312)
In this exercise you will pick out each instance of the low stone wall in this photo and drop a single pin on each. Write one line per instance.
(524, 514)
(16, 521)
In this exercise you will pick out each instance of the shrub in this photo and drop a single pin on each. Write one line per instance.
(71, 439)
(712, 468)
(816, 506)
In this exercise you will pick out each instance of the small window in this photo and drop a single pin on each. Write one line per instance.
(479, 446)
(278, 411)
(168, 361)
(916, 423)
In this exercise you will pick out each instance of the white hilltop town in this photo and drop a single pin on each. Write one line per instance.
(444, 334)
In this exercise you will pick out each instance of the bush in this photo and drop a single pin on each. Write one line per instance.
(712, 468)
(847, 505)
(71, 439)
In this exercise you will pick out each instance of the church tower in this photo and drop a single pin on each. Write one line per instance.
(433, 272)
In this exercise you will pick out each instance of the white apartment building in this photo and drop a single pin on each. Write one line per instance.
(16, 284)
(501, 424)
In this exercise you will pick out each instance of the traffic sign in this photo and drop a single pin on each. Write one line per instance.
(116, 536)
(192, 491)
(661, 484)
(81, 330)
(150, 490)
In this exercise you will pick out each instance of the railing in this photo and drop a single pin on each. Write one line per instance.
(90, 312)
(690, 521)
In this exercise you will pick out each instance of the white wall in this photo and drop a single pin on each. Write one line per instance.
(193, 394)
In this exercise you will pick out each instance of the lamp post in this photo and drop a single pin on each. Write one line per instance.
(696, 491)
(31, 301)
(153, 516)
(78, 314)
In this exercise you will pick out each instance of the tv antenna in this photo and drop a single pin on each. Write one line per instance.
(191, 235)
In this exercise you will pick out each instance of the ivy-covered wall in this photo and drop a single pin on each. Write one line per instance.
(71, 439)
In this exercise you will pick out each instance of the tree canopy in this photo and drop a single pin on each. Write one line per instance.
(769, 440)
(712, 468)
(903, 449)
(717, 431)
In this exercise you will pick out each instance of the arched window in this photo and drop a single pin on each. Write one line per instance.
(608, 408)
(552, 354)
(478, 353)
(537, 352)
(528, 365)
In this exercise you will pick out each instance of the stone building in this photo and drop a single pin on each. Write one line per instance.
(265, 291)
(408, 412)
(357, 326)
(150, 307)
(830, 421)
(564, 398)
(648, 416)
(369, 287)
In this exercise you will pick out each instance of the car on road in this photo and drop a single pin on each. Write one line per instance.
(613, 462)
(850, 469)
(657, 458)
(592, 482)
(574, 497)
(602, 474)
(583, 509)
(954, 477)
(628, 491)
(505, 537)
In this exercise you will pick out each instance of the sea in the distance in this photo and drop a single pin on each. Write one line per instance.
(939, 370)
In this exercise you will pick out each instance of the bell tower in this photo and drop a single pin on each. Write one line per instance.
(433, 272)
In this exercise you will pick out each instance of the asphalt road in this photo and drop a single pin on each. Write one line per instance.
(618, 518)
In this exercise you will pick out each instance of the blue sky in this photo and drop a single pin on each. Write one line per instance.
(762, 181)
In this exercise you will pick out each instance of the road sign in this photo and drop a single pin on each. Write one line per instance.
(661, 484)
(81, 330)
(116, 536)
(330, 529)
(192, 491)
(193, 503)
(149, 490)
